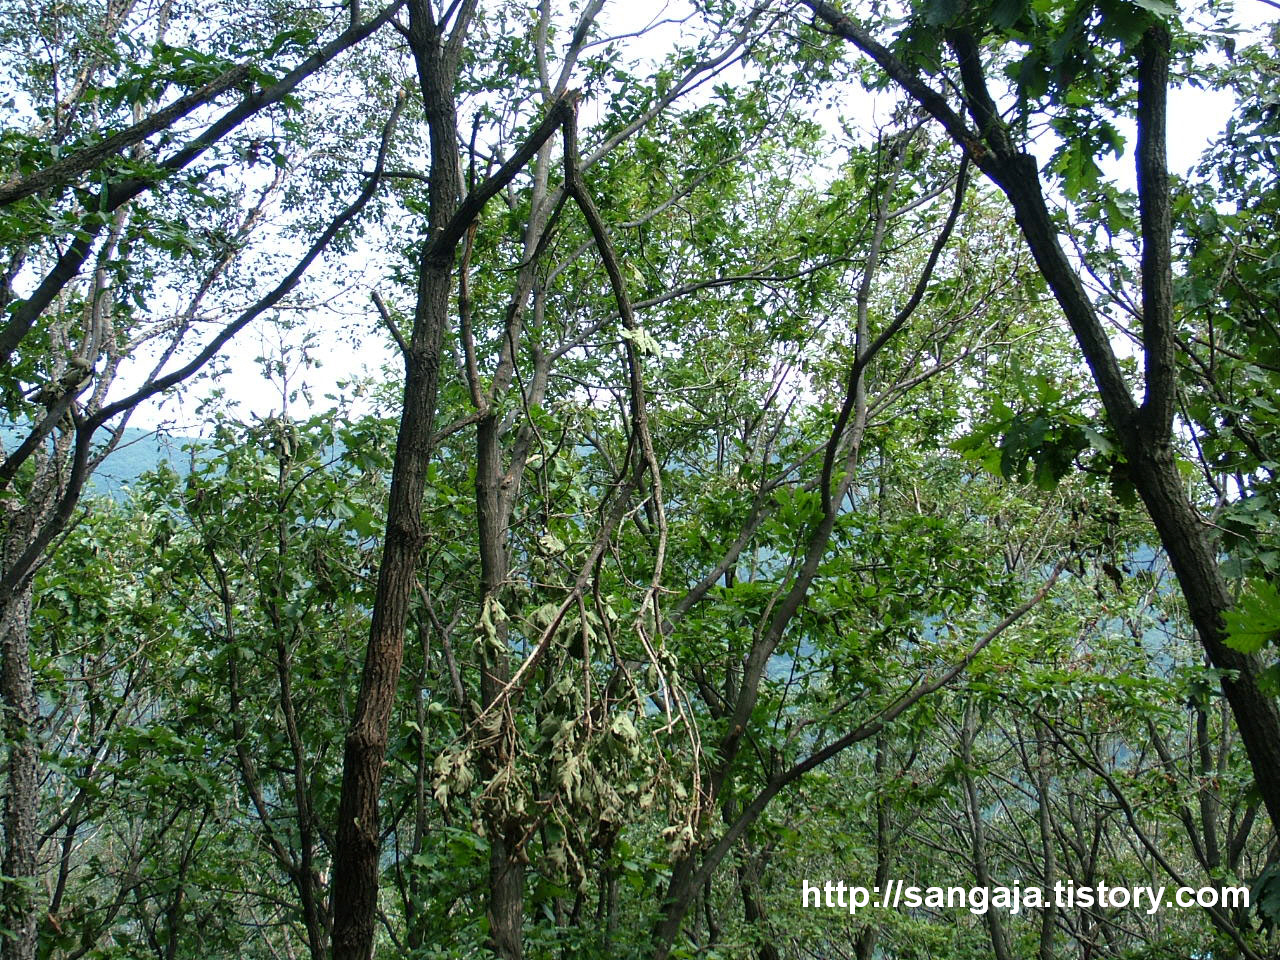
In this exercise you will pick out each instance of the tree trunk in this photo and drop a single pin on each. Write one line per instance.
(1195, 564)
(355, 886)
(978, 837)
(506, 873)
(1146, 432)
(355, 877)
(753, 907)
(1048, 848)
(17, 686)
(21, 714)
(869, 935)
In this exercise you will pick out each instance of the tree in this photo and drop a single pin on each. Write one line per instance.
(76, 220)
(1137, 47)
(733, 475)
(503, 442)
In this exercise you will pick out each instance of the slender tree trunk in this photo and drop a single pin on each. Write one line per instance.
(355, 882)
(1048, 847)
(436, 48)
(978, 837)
(17, 686)
(506, 873)
(753, 906)
(21, 713)
(869, 936)
(314, 915)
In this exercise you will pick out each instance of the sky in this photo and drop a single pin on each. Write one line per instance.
(348, 343)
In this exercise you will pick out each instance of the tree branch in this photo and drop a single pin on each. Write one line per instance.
(62, 172)
(1159, 346)
(25, 565)
(115, 195)
(863, 732)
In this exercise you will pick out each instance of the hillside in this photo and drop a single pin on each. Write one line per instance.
(139, 451)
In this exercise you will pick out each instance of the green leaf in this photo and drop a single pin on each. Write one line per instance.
(1158, 7)
(1005, 13)
(1266, 893)
(1255, 621)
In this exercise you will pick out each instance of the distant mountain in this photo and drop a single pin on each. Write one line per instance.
(138, 451)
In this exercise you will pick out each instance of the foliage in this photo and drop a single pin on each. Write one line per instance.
(773, 534)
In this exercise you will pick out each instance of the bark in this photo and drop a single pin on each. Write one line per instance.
(1194, 562)
(18, 908)
(355, 877)
(497, 487)
(355, 887)
(20, 899)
